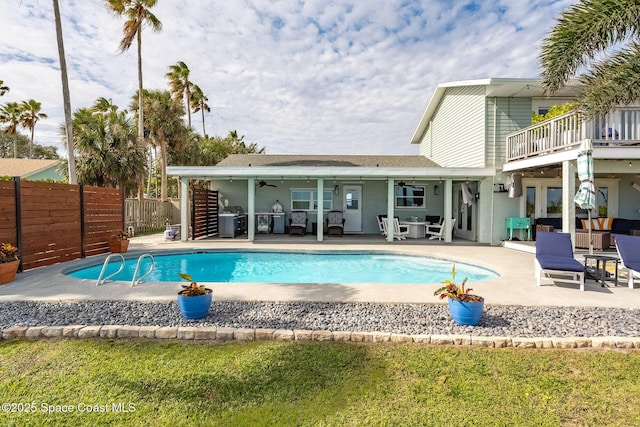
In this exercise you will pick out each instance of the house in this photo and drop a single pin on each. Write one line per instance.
(474, 137)
(31, 169)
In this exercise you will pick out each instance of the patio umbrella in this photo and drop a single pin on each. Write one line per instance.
(586, 195)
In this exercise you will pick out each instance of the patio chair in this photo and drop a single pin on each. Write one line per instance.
(298, 223)
(400, 232)
(382, 225)
(629, 251)
(555, 260)
(335, 223)
(436, 231)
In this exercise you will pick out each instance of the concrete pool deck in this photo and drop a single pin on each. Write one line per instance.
(516, 284)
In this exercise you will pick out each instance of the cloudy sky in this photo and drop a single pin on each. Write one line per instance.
(299, 77)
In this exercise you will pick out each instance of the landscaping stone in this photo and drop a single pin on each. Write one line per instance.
(128, 332)
(14, 332)
(34, 332)
(148, 331)
(302, 335)
(244, 334)
(264, 334)
(283, 335)
(187, 333)
(211, 334)
(52, 331)
(225, 334)
(166, 333)
(71, 331)
(322, 336)
(89, 332)
(109, 331)
(342, 336)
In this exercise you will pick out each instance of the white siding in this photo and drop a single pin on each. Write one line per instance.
(458, 128)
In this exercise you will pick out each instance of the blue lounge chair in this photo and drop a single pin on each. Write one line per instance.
(629, 251)
(554, 257)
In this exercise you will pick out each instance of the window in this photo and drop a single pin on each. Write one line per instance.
(410, 196)
(554, 201)
(307, 200)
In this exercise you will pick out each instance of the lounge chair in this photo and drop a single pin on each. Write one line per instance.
(554, 257)
(629, 251)
(335, 223)
(382, 224)
(436, 231)
(298, 223)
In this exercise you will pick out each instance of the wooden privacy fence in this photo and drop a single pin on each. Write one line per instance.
(204, 213)
(153, 216)
(51, 222)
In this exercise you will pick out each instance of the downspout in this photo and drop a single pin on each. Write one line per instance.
(493, 178)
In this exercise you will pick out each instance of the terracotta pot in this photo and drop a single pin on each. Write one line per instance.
(118, 246)
(8, 271)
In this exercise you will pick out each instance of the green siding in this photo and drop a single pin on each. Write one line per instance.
(504, 116)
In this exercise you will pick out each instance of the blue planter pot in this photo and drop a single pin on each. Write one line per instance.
(195, 307)
(466, 313)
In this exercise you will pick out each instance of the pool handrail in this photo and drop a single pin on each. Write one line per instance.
(100, 280)
(135, 273)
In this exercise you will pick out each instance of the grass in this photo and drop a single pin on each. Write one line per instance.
(269, 383)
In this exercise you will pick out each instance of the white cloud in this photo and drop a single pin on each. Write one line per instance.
(298, 77)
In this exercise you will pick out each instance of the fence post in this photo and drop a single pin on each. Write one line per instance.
(16, 189)
(82, 225)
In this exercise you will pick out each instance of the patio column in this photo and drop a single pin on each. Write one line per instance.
(391, 197)
(320, 211)
(184, 209)
(448, 209)
(251, 207)
(568, 193)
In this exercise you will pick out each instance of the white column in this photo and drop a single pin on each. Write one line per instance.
(184, 209)
(448, 209)
(391, 198)
(251, 207)
(320, 210)
(568, 193)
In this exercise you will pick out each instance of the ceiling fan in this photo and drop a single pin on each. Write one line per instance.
(403, 184)
(264, 184)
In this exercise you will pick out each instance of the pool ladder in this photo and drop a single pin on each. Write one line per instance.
(101, 280)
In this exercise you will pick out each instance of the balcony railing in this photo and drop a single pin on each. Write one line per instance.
(620, 127)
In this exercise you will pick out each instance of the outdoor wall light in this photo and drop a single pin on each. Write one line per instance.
(336, 189)
(436, 190)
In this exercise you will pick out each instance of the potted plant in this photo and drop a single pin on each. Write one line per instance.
(194, 300)
(9, 262)
(119, 243)
(464, 307)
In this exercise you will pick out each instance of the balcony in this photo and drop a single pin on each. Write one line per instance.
(619, 128)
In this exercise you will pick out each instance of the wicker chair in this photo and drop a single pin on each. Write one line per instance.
(298, 223)
(335, 223)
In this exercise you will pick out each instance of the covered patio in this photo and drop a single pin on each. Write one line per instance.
(360, 186)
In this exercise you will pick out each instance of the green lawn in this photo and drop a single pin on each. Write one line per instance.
(269, 383)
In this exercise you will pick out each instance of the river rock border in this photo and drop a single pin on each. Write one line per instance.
(214, 334)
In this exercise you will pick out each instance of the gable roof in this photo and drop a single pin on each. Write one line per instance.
(494, 87)
(25, 167)
(284, 160)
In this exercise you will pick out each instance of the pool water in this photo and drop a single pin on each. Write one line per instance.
(293, 267)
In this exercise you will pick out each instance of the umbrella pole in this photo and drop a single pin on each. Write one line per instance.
(589, 229)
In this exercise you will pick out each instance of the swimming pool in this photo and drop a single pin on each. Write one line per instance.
(293, 267)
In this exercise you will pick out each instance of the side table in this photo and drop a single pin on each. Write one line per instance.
(600, 271)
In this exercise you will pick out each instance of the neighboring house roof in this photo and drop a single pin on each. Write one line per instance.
(25, 168)
(385, 161)
(494, 87)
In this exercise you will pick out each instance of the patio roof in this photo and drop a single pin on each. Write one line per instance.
(327, 166)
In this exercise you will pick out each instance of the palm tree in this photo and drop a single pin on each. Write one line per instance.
(66, 98)
(3, 89)
(11, 115)
(601, 37)
(165, 128)
(30, 116)
(199, 103)
(108, 154)
(138, 14)
(180, 85)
